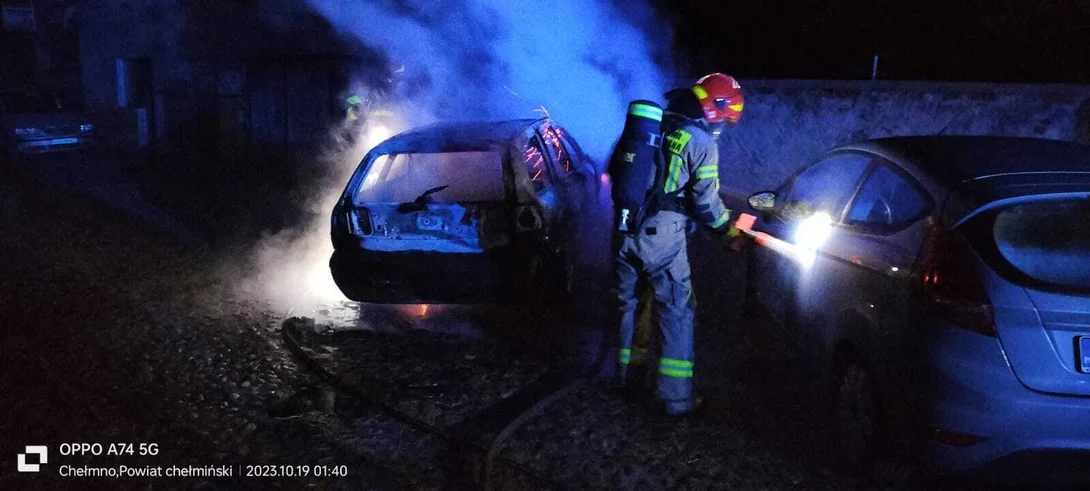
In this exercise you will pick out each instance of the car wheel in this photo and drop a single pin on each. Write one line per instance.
(856, 419)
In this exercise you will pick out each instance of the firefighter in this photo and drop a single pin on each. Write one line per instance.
(353, 105)
(688, 184)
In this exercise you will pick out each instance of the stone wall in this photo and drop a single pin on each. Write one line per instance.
(787, 123)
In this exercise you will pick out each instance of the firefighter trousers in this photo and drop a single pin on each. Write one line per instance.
(658, 253)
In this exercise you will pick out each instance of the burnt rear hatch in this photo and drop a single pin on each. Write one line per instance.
(430, 227)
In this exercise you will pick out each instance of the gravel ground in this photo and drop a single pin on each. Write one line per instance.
(110, 334)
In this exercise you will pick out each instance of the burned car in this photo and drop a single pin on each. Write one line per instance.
(463, 213)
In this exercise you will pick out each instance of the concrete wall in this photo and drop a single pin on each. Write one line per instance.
(787, 124)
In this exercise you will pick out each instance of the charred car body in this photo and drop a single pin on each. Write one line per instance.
(463, 213)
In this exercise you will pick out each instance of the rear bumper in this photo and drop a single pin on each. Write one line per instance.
(970, 389)
(429, 277)
(48, 145)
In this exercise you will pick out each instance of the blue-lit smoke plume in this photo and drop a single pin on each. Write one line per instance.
(582, 60)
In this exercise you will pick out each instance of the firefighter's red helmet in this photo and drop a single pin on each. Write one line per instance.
(720, 97)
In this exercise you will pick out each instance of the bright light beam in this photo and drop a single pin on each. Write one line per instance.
(375, 134)
(810, 235)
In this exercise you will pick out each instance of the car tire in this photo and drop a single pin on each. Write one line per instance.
(855, 420)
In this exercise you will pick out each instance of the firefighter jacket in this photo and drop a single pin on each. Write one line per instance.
(692, 173)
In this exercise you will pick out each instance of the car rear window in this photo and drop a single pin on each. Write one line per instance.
(1047, 241)
(401, 178)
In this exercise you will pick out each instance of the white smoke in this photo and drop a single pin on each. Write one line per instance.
(582, 61)
(290, 268)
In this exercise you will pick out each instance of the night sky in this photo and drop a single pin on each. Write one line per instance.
(952, 40)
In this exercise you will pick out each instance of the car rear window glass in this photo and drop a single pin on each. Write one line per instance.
(1049, 241)
(402, 178)
(886, 202)
(825, 186)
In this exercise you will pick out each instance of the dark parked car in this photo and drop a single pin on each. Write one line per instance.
(463, 213)
(941, 287)
(37, 123)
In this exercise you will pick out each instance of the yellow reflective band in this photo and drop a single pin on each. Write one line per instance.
(675, 174)
(672, 363)
(676, 143)
(737, 107)
(722, 220)
(382, 113)
(707, 172)
(626, 351)
(645, 111)
(700, 92)
(354, 100)
(678, 140)
(626, 356)
(674, 372)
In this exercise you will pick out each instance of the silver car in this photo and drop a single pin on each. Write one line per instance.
(940, 286)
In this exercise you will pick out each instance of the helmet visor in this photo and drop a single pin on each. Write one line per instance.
(723, 104)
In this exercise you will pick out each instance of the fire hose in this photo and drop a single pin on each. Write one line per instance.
(552, 393)
(492, 450)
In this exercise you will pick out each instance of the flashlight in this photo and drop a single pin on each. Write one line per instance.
(813, 231)
(810, 235)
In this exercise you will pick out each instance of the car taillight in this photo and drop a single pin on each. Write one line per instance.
(950, 287)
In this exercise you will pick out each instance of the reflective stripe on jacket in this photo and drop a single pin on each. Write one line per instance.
(693, 167)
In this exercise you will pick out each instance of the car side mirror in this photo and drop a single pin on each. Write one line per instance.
(764, 201)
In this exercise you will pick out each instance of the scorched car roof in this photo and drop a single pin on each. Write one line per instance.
(455, 136)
